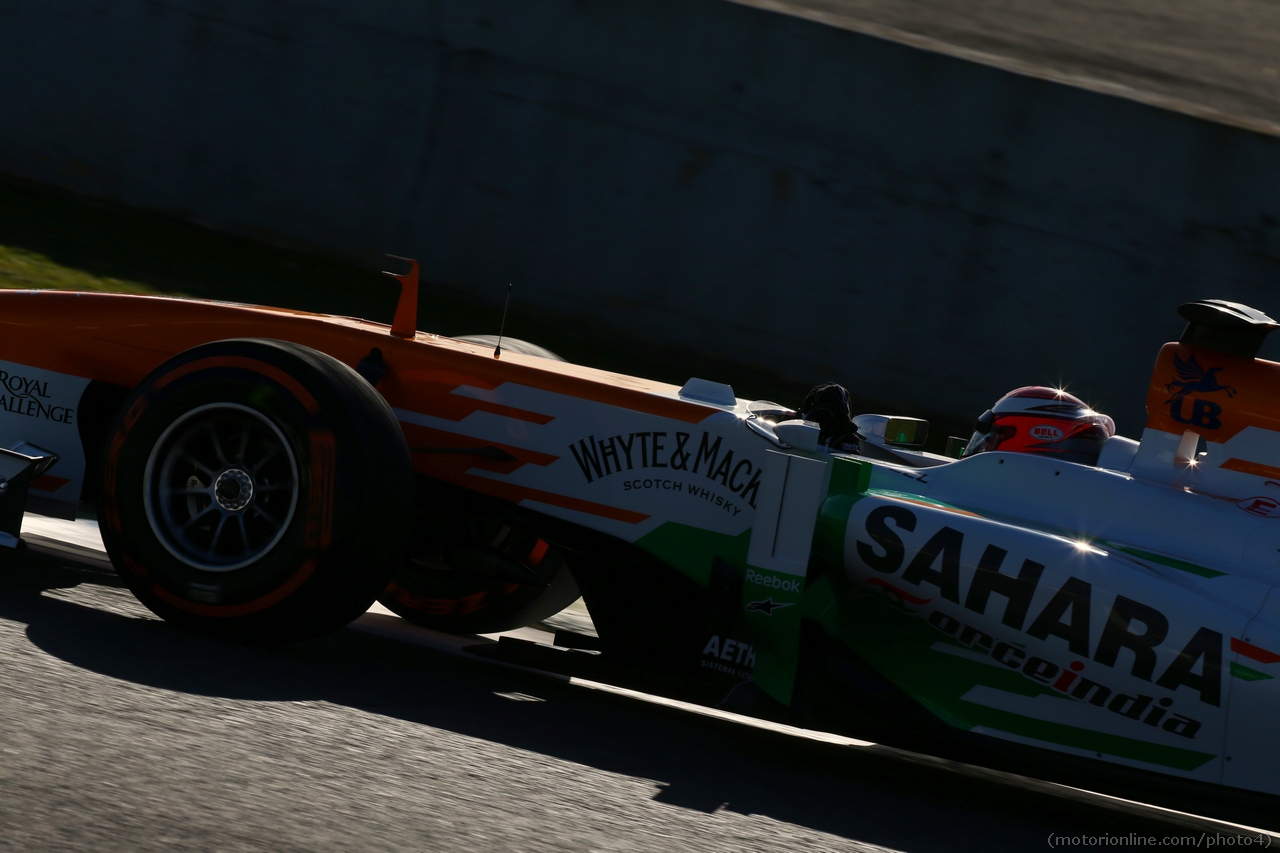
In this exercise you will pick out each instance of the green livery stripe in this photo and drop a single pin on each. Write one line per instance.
(944, 713)
(1071, 736)
(778, 635)
(849, 481)
(819, 604)
(1180, 565)
(690, 550)
(848, 477)
(773, 603)
(1244, 673)
(937, 671)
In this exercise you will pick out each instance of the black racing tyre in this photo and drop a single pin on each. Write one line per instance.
(473, 573)
(257, 490)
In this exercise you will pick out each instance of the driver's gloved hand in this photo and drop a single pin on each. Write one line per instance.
(845, 441)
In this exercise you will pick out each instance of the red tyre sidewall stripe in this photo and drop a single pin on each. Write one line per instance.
(113, 457)
(323, 449)
(230, 610)
(320, 502)
(270, 371)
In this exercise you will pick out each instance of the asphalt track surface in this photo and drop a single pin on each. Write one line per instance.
(119, 733)
(1217, 57)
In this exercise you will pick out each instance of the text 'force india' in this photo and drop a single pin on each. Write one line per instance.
(266, 475)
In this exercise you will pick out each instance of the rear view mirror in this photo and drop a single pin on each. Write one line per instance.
(905, 432)
(892, 430)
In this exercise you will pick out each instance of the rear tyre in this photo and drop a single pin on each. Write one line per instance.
(475, 568)
(256, 490)
(476, 571)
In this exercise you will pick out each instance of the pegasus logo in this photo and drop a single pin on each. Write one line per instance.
(1195, 380)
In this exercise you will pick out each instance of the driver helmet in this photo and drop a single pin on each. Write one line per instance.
(1045, 421)
(828, 405)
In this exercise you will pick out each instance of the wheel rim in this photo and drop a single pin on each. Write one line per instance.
(221, 487)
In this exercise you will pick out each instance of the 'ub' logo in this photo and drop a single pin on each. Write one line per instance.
(1196, 380)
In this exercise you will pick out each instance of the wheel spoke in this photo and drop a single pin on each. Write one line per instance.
(217, 534)
(210, 508)
(217, 445)
(244, 445)
(209, 472)
(260, 511)
(254, 469)
(203, 477)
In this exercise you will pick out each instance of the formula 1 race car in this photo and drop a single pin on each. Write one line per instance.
(265, 475)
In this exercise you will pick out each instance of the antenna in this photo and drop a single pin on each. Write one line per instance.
(497, 351)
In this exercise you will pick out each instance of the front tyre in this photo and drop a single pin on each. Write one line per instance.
(257, 490)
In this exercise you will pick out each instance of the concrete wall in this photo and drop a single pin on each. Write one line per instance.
(822, 203)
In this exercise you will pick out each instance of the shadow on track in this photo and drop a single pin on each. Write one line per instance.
(697, 763)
